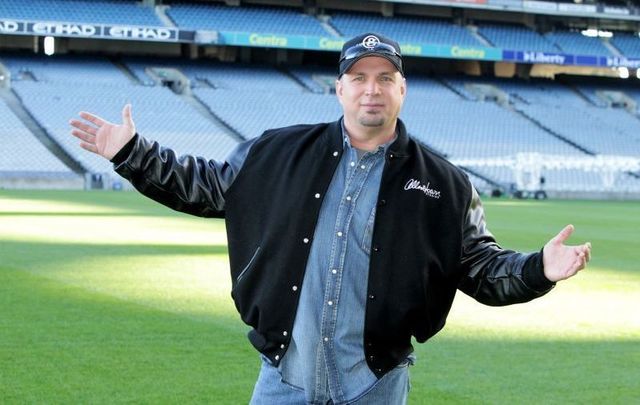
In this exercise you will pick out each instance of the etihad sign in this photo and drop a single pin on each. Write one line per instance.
(47, 28)
(81, 30)
(140, 33)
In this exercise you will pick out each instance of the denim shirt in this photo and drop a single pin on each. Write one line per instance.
(326, 355)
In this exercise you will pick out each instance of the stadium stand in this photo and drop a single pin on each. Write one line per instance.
(479, 120)
(251, 113)
(464, 128)
(81, 11)
(266, 20)
(404, 29)
(604, 94)
(21, 151)
(444, 113)
(55, 97)
(628, 44)
(578, 44)
(158, 113)
(515, 37)
(543, 117)
(250, 78)
(316, 79)
(601, 131)
(218, 75)
(540, 91)
(65, 69)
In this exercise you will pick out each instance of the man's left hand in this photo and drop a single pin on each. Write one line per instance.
(562, 261)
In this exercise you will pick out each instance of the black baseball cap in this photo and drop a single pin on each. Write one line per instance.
(369, 44)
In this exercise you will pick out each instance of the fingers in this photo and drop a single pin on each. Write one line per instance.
(586, 252)
(126, 115)
(88, 129)
(91, 147)
(581, 262)
(92, 118)
(83, 136)
(573, 267)
(564, 234)
(583, 253)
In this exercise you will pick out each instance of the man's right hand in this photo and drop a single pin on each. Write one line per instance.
(103, 137)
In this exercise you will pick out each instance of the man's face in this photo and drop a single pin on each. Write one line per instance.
(371, 93)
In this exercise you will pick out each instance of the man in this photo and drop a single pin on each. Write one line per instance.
(345, 239)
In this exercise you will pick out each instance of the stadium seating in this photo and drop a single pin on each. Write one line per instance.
(515, 37)
(601, 131)
(445, 113)
(578, 44)
(212, 74)
(65, 69)
(21, 151)
(628, 44)
(96, 85)
(404, 29)
(159, 115)
(543, 92)
(251, 113)
(463, 128)
(265, 20)
(81, 11)
(592, 90)
(315, 78)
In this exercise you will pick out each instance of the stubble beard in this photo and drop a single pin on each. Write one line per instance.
(371, 122)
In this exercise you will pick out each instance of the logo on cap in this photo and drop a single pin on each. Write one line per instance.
(370, 42)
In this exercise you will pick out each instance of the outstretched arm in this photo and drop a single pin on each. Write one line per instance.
(103, 137)
(497, 276)
(184, 183)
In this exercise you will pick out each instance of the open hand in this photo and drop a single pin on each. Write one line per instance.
(562, 261)
(103, 137)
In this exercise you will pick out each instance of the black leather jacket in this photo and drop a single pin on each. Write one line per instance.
(429, 236)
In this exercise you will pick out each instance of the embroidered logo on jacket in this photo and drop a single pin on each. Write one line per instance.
(414, 184)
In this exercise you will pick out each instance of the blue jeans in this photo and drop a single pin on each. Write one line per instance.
(393, 388)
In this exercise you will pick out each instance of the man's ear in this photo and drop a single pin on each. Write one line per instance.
(339, 90)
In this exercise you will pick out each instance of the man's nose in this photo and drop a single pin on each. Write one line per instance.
(372, 87)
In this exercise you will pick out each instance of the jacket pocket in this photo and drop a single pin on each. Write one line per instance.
(368, 232)
(249, 266)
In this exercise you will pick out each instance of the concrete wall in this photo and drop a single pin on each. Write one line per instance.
(41, 182)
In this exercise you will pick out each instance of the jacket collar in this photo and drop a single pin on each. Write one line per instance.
(400, 148)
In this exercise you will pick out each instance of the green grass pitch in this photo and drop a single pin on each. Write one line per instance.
(107, 297)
